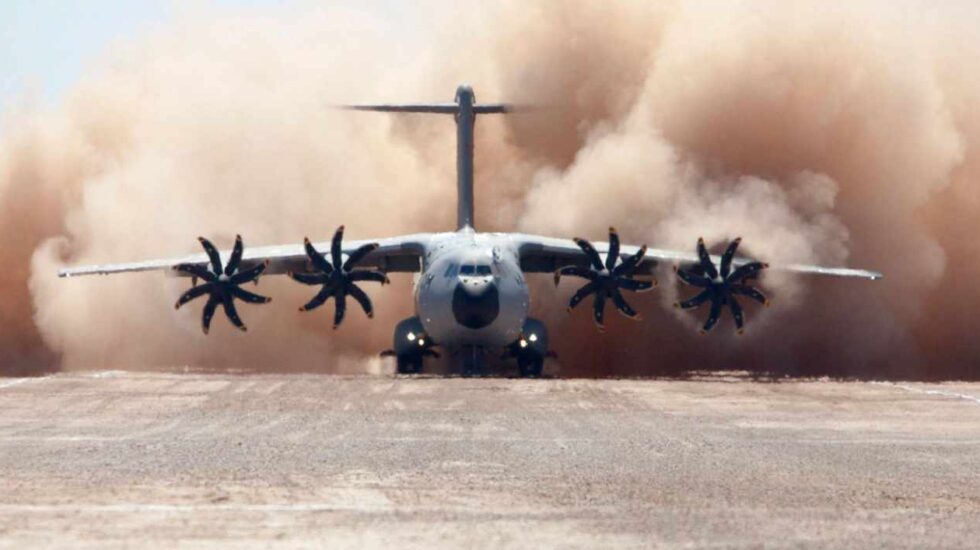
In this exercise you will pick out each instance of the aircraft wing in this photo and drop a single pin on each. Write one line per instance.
(546, 254)
(395, 254)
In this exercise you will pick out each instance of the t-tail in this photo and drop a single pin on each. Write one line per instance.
(464, 110)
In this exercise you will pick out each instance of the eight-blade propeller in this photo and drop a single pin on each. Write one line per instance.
(607, 279)
(721, 285)
(222, 285)
(337, 278)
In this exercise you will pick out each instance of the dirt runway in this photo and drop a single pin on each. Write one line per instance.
(112, 459)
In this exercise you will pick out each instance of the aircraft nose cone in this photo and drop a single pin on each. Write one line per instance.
(476, 303)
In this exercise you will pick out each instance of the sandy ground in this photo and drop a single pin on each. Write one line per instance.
(110, 459)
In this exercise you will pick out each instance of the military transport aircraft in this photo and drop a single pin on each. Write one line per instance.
(471, 297)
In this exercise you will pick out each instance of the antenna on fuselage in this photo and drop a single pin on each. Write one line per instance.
(464, 110)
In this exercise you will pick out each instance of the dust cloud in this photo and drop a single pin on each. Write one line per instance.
(834, 134)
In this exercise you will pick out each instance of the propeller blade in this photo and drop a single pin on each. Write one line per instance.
(208, 312)
(359, 254)
(623, 306)
(726, 258)
(693, 279)
(736, 314)
(195, 270)
(316, 258)
(194, 292)
(575, 271)
(335, 247)
(362, 298)
(248, 275)
(637, 286)
(613, 254)
(712, 316)
(338, 314)
(373, 276)
(630, 264)
(747, 270)
(318, 300)
(695, 301)
(229, 304)
(212, 255)
(249, 297)
(751, 292)
(706, 263)
(581, 294)
(599, 310)
(591, 253)
(310, 278)
(236, 256)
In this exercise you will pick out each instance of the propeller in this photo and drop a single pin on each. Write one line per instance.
(721, 285)
(222, 285)
(607, 279)
(337, 278)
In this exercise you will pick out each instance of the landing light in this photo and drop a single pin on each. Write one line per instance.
(411, 336)
(523, 343)
(421, 341)
(533, 337)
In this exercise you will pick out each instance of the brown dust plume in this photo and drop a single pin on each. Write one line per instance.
(833, 134)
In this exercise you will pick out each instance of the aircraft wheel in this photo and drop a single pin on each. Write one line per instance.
(409, 365)
(531, 369)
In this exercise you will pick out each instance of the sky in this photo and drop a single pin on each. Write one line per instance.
(47, 44)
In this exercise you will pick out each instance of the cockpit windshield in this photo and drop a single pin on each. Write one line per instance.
(475, 270)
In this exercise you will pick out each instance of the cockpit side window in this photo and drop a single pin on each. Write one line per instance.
(451, 270)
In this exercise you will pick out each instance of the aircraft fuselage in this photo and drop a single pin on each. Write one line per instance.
(471, 291)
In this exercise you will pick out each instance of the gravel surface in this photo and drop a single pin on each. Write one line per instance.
(112, 459)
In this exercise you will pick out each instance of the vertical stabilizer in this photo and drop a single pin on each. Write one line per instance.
(464, 110)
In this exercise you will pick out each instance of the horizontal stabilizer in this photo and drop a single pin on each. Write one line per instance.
(438, 108)
(442, 108)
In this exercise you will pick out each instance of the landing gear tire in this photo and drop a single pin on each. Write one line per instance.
(531, 369)
(409, 365)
